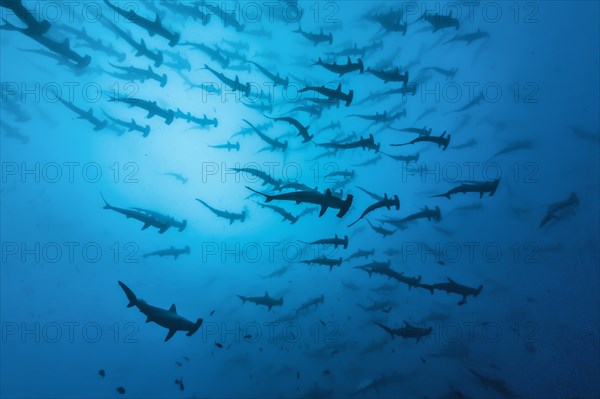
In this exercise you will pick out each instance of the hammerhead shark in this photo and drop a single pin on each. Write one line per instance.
(336, 241)
(421, 132)
(439, 21)
(86, 115)
(368, 143)
(452, 287)
(316, 38)
(229, 146)
(469, 37)
(448, 73)
(342, 69)
(150, 106)
(404, 158)
(140, 48)
(232, 84)
(277, 80)
(425, 213)
(232, 217)
(381, 230)
(274, 143)
(265, 300)
(442, 141)
(496, 384)
(131, 126)
(202, 122)
(172, 251)
(286, 215)
(361, 253)
(133, 73)
(215, 53)
(392, 75)
(383, 117)
(331, 93)
(408, 331)
(302, 130)
(163, 317)
(483, 187)
(325, 201)
(324, 261)
(149, 218)
(311, 302)
(385, 202)
(153, 27)
(558, 209)
(264, 176)
(384, 269)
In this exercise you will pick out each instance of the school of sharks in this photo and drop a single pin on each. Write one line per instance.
(322, 199)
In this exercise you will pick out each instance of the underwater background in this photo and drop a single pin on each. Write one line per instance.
(515, 85)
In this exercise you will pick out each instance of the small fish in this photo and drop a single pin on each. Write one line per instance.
(178, 363)
(121, 390)
(187, 359)
(326, 372)
(322, 322)
(218, 345)
(102, 373)
(212, 313)
(248, 336)
(423, 360)
(297, 375)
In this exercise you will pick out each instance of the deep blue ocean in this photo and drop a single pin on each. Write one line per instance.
(299, 199)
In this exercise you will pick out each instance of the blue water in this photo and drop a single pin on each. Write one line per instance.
(533, 330)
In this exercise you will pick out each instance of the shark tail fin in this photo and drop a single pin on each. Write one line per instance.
(345, 206)
(133, 301)
(268, 198)
(195, 328)
(386, 328)
(106, 204)
(478, 290)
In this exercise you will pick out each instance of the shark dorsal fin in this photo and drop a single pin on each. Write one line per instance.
(339, 88)
(407, 324)
(450, 280)
(266, 294)
(173, 308)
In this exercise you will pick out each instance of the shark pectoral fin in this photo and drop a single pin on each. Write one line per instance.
(270, 307)
(145, 226)
(170, 334)
(323, 210)
(163, 229)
